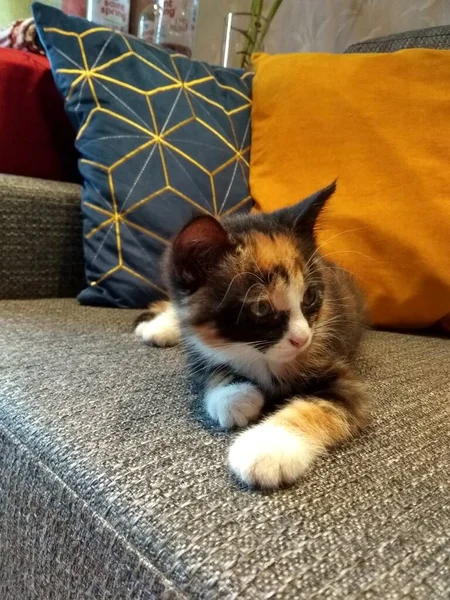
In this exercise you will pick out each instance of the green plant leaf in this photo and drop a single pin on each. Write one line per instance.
(257, 29)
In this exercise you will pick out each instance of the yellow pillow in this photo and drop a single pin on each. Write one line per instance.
(380, 123)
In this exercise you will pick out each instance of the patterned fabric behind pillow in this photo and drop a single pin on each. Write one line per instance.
(21, 35)
(162, 138)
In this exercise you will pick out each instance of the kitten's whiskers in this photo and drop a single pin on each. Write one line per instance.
(232, 281)
(329, 240)
(244, 300)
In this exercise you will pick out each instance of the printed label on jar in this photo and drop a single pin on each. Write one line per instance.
(175, 18)
(147, 30)
(111, 13)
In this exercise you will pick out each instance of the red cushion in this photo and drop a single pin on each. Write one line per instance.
(36, 137)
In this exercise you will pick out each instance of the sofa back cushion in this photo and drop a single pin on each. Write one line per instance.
(36, 137)
(380, 123)
(162, 138)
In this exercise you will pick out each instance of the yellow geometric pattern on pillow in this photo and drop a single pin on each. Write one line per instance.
(87, 75)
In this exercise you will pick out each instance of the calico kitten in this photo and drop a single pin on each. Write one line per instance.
(266, 320)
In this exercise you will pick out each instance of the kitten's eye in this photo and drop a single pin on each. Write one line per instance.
(260, 309)
(310, 298)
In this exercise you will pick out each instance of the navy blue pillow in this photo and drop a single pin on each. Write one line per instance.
(162, 138)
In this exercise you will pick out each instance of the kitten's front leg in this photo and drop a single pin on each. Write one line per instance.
(283, 447)
(159, 325)
(232, 403)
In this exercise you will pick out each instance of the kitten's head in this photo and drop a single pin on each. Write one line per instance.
(252, 281)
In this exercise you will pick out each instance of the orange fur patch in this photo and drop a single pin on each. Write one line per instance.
(158, 307)
(278, 296)
(279, 292)
(321, 421)
(208, 335)
(270, 251)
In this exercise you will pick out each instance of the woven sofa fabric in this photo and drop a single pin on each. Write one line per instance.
(63, 549)
(432, 37)
(115, 444)
(162, 138)
(40, 241)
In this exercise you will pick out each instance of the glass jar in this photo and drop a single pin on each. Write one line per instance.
(170, 23)
(148, 21)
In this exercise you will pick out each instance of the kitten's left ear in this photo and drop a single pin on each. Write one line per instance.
(197, 249)
(303, 215)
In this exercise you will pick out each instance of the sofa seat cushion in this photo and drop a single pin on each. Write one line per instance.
(112, 486)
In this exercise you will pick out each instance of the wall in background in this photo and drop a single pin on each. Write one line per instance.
(210, 27)
(332, 25)
(13, 9)
(10, 10)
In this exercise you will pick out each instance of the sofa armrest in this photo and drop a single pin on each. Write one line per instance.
(40, 238)
(431, 37)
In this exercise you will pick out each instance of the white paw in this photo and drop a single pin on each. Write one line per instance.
(161, 331)
(268, 456)
(234, 405)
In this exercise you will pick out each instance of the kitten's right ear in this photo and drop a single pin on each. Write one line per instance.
(197, 249)
(303, 215)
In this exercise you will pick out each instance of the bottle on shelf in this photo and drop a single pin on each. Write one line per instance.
(170, 23)
(148, 21)
(110, 13)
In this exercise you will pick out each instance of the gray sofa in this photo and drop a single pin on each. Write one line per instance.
(112, 485)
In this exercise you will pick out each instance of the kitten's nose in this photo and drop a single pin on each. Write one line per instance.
(298, 340)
